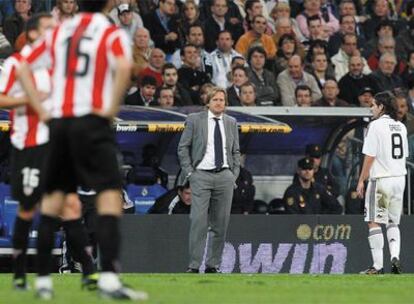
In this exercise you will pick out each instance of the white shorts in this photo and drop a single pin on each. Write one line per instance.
(384, 200)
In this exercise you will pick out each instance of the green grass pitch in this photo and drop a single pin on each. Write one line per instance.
(234, 288)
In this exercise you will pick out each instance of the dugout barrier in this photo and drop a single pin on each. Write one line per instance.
(262, 244)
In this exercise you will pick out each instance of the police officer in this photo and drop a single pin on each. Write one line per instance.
(305, 196)
(321, 175)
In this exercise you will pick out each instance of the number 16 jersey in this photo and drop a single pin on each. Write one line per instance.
(386, 140)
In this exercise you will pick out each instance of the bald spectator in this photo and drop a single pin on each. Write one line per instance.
(166, 97)
(384, 76)
(303, 95)
(341, 59)
(155, 63)
(351, 84)
(141, 50)
(385, 44)
(14, 25)
(257, 37)
(330, 98)
(293, 76)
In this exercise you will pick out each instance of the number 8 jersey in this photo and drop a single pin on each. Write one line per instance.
(386, 140)
(81, 54)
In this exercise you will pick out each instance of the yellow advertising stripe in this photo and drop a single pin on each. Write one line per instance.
(264, 128)
(4, 127)
(165, 127)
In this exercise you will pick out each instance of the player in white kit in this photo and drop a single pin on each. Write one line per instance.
(385, 149)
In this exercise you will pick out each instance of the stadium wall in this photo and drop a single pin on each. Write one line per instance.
(262, 244)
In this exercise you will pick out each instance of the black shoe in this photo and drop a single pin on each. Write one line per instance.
(45, 294)
(373, 271)
(20, 284)
(396, 266)
(123, 293)
(90, 282)
(192, 270)
(212, 270)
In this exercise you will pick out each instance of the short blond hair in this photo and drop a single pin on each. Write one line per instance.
(213, 91)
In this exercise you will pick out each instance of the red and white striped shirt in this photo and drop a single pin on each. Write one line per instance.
(26, 129)
(81, 54)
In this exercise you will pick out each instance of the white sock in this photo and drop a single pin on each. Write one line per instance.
(394, 240)
(109, 281)
(44, 282)
(376, 243)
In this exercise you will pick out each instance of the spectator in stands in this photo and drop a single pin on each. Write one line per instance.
(254, 8)
(64, 9)
(5, 48)
(307, 197)
(128, 20)
(384, 77)
(166, 98)
(366, 97)
(218, 22)
(287, 47)
(175, 201)
(221, 59)
(6, 10)
(320, 69)
(293, 76)
(410, 94)
(163, 26)
(205, 88)
(405, 40)
(141, 51)
(144, 96)
(330, 24)
(243, 195)
(385, 44)
(409, 68)
(283, 27)
(182, 96)
(347, 50)
(351, 84)
(239, 76)
(317, 47)
(190, 14)
(248, 95)
(267, 90)
(257, 37)
(156, 62)
(403, 114)
(354, 9)
(330, 93)
(280, 11)
(14, 25)
(316, 31)
(303, 96)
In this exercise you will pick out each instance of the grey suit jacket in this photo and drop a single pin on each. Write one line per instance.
(193, 144)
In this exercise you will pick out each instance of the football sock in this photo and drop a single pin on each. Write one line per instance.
(46, 237)
(78, 244)
(43, 282)
(109, 240)
(394, 240)
(376, 243)
(109, 281)
(20, 240)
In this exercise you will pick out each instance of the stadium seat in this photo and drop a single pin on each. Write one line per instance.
(144, 196)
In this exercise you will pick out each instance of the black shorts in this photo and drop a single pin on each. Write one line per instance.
(82, 153)
(27, 175)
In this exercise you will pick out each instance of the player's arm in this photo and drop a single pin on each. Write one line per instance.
(8, 102)
(366, 167)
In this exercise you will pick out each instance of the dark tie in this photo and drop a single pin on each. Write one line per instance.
(218, 145)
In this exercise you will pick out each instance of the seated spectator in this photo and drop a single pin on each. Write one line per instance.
(141, 51)
(403, 114)
(182, 96)
(347, 50)
(155, 63)
(248, 95)
(293, 76)
(366, 97)
(238, 78)
(166, 98)
(243, 196)
(128, 19)
(384, 77)
(205, 88)
(351, 84)
(405, 39)
(284, 27)
(409, 69)
(190, 14)
(253, 8)
(330, 98)
(256, 37)
(14, 25)
(267, 90)
(286, 49)
(410, 94)
(6, 10)
(64, 9)
(303, 96)
(282, 10)
(318, 47)
(320, 69)
(307, 197)
(144, 96)
(316, 31)
(175, 201)
(354, 9)
(385, 45)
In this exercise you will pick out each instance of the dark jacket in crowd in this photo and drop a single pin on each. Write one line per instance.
(136, 99)
(190, 78)
(267, 89)
(386, 83)
(168, 200)
(13, 26)
(232, 97)
(323, 103)
(212, 29)
(243, 196)
(349, 87)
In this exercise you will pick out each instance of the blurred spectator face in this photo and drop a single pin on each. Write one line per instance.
(318, 50)
(356, 65)
(316, 163)
(185, 195)
(247, 96)
(259, 25)
(305, 174)
(148, 91)
(239, 77)
(191, 57)
(312, 5)
(386, 46)
(365, 100)
(205, 88)
(166, 99)
(170, 77)
(381, 8)
(303, 98)
(387, 64)
(22, 7)
(256, 9)
(385, 31)
(167, 7)
(295, 67)
(402, 107)
(284, 26)
(196, 36)
(125, 18)
(257, 61)
(67, 6)
(348, 25)
(288, 47)
(219, 8)
(350, 45)
(347, 8)
(157, 59)
(190, 11)
(411, 61)
(315, 29)
(225, 42)
(320, 63)
(330, 90)
(142, 38)
(238, 62)
(282, 11)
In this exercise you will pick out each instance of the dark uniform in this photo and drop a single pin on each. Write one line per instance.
(170, 200)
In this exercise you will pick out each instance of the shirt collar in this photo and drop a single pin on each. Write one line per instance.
(211, 115)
